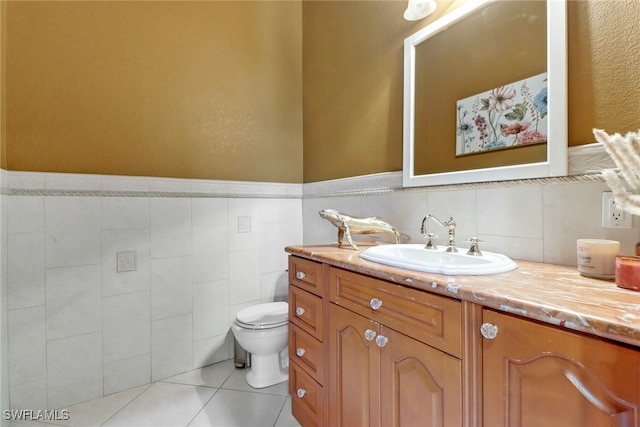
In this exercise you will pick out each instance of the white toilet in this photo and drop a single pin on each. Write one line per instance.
(263, 331)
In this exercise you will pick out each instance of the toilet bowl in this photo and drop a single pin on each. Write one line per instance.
(263, 331)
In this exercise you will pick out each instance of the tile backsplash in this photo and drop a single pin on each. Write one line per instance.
(535, 220)
(79, 329)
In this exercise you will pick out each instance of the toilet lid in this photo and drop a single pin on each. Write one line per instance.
(268, 315)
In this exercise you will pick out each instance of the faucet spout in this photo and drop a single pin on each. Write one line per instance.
(450, 225)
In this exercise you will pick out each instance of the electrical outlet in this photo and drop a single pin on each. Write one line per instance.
(612, 217)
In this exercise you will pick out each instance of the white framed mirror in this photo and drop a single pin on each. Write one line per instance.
(474, 81)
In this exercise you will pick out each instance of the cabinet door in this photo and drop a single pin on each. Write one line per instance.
(539, 375)
(354, 370)
(420, 386)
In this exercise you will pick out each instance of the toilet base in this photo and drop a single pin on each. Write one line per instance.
(266, 371)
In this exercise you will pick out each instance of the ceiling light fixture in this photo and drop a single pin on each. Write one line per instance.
(419, 9)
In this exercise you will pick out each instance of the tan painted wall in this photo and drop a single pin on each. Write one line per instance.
(353, 74)
(604, 68)
(353, 80)
(203, 89)
(213, 89)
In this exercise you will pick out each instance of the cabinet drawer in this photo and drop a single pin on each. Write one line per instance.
(307, 352)
(306, 274)
(432, 319)
(307, 397)
(305, 311)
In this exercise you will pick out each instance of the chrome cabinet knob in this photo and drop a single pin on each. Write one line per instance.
(300, 275)
(375, 303)
(489, 330)
(300, 311)
(381, 340)
(369, 334)
(300, 352)
(301, 392)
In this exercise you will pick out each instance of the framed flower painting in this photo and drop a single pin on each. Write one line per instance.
(505, 117)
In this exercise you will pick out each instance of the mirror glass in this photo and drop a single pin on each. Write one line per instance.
(485, 94)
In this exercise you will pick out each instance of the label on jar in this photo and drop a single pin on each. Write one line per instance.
(597, 258)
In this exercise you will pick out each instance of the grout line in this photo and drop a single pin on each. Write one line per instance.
(127, 404)
(281, 412)
(202, 408)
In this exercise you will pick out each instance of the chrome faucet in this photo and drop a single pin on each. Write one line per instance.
(474, 249)
(450, 225)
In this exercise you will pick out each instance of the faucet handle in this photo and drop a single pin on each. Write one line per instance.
(474, 249)
(431, 241)
(423, 227)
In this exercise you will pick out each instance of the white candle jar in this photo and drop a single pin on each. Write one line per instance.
(597, 258)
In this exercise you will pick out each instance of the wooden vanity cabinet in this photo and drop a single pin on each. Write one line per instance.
(538, 375)
(380, 374)
(368, 352)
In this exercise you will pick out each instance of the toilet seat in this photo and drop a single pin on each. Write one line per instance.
(264, 316)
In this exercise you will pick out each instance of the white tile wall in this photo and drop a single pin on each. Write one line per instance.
(171, 287)
(171, 346)
(210, 309)
(127, 373)
(211, 350)
(74, 369)
(210, 253)
(74, 301)
(72, 231)
(573, 211)
(170, 227)
(244, 276)
(208, 211)
(126, 326)
(25, 214)
(274, 286)
(4, 297)
(29, 395)
(114, 241)
(26, 270)
(79, 329)
(125, 213)
(27, 345)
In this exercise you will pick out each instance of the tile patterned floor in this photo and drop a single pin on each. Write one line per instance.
(216, 395)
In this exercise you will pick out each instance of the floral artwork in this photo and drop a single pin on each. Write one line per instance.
(505, 117)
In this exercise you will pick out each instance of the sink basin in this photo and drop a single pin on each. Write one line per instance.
(416, 257)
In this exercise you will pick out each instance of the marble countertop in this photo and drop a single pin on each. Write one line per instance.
(554, 294)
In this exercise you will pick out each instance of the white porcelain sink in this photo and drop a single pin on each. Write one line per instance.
(416, 257)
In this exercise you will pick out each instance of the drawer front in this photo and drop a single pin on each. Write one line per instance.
(306, 274)
(432, 319)
(307, 352)
(307, 397)
(305, 311)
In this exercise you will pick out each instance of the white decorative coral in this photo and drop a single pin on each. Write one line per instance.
(625, 152)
